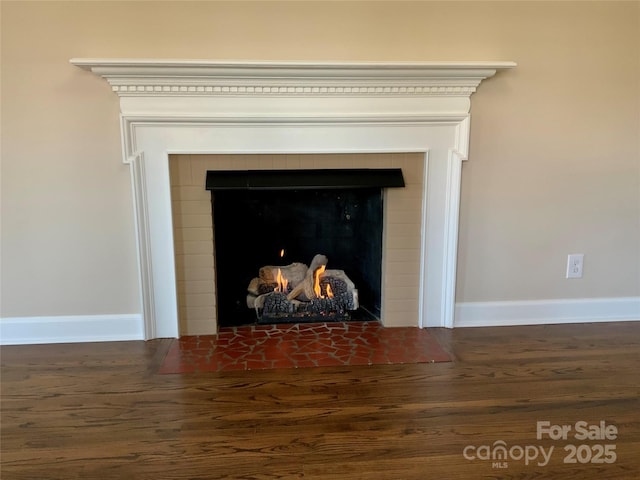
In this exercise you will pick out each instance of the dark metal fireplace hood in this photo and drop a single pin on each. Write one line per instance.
(304, 179)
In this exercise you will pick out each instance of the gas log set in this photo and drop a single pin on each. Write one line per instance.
(301, 293)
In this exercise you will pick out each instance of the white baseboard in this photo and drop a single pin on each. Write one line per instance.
(537, 312)
(108, 328)
(71, 329)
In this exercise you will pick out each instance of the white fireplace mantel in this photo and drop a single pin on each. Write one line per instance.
(202, 106)
(203, 77)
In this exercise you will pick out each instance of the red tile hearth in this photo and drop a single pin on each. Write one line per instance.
(260, 347)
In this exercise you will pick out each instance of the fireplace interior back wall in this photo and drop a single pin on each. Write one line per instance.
(193, 230)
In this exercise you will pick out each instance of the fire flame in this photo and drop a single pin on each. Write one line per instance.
(282, 253)
(282, 283)
(316, 284)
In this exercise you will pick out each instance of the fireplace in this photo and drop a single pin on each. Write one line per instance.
(196, 107)
(298, 245)
(193, 227)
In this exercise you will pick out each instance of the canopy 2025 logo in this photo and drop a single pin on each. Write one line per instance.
(500, 453)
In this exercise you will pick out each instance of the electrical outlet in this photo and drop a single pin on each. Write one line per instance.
(574, 265)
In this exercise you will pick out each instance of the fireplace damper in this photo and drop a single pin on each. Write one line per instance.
(278, 218)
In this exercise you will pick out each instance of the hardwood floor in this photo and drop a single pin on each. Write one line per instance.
(100, 411)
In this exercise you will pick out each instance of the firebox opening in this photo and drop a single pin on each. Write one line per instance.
(260, 233)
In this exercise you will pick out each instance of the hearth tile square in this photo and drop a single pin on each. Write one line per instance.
(316, 355)
(255, 357)
(201, 351)
(326, 350)
(230, 354)
(328, 362)
(258, 334)
(342, 350)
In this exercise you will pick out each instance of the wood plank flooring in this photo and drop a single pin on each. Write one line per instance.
(101, 411)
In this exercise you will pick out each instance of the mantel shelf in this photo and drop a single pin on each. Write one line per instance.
(143, 77)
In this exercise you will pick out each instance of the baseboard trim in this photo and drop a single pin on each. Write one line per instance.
(71, 329)
(537, 312)
(109, 328)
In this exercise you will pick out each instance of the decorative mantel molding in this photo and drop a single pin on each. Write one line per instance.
(199, 77)
(222, 107)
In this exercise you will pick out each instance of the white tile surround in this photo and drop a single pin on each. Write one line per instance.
(207, 107)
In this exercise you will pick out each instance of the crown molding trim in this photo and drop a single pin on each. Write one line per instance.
(147, 77)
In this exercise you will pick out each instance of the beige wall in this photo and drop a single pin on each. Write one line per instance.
(193, 230)
(554, 157)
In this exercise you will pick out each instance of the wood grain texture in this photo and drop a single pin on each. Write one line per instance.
(100, 411)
